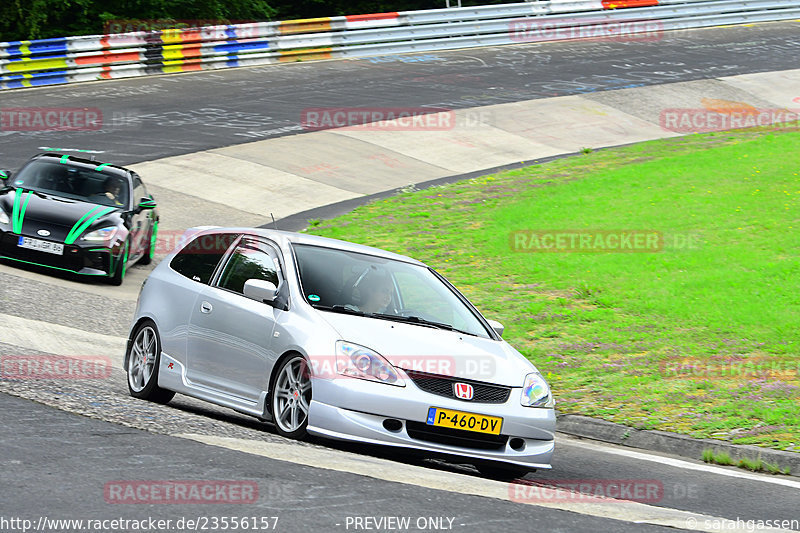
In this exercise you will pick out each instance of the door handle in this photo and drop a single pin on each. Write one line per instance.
(205, 307)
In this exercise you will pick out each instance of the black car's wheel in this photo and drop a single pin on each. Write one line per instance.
(502, 471)
(150, 250)
(144, 356)
(290, 397)
(121, 266)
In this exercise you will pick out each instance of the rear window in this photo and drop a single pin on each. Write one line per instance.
(200, 257)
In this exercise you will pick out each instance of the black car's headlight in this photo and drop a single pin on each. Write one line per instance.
(356, 361)
(105, 235)
(535, 391)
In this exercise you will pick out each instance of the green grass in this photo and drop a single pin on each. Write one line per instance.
(720, 458)
(754, 465)
(699, 339)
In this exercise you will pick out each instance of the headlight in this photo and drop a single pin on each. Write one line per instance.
(357, 361)
(104, 235)
(4, 217)
(535, 391)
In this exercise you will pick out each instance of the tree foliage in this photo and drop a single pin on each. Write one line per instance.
(40, 19)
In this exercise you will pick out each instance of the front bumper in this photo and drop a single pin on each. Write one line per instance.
(355, 409)
(84, 260)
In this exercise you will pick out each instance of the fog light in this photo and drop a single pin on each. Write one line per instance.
(517, 444)
(392, 424)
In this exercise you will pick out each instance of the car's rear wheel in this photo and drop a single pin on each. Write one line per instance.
(150, 250)
(144, 356)
(122, 265)
(291, 396)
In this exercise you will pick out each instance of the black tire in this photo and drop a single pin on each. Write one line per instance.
(289, 398)
(121, 266)
(502, 471)
(149, 251)
(144, 356)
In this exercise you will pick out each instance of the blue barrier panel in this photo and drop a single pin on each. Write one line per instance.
(40, 46)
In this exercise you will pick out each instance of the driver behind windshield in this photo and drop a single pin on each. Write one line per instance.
(375, 290)
(112, 190)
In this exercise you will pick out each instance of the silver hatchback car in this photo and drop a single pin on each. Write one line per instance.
(337, 340)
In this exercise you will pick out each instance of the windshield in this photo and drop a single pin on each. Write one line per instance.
(355, 283)
(78, 183)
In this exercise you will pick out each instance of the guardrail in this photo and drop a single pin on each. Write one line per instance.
(95, 57)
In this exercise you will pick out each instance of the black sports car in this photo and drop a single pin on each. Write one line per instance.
(76, 215)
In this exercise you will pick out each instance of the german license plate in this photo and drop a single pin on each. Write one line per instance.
(41, 246)
(447, 418)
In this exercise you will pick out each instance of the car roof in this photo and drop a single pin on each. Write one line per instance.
(290, 237)
(86, 163)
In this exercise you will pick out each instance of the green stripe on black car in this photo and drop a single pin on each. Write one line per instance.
(85, 221)
(18, 213)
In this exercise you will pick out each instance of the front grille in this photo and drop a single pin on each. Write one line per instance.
(455, 437)
(443, 386)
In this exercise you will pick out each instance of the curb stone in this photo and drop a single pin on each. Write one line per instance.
(666, 442)
(300, 221)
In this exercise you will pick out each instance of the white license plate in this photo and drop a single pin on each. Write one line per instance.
(41, 246)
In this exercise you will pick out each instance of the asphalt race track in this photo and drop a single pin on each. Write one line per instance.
(154, 117)
(64, 441)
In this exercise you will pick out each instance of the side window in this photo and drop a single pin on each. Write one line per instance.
(250, 260)
(198, 259)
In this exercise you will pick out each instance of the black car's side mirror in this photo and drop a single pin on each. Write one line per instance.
(5, 175)
(146, 203)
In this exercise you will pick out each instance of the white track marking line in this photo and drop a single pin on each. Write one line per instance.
(129, 290)
(677, 463)
(374, 467)
(59, 340)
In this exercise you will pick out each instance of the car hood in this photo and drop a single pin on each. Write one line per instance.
(62, 217)
(434, 351)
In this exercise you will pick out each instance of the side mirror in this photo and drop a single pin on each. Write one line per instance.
(5, 175)
(260, 290)
(146, 203)
(497, 327)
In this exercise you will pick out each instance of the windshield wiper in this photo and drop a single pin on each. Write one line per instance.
(34, 191)
(340, 309)
(396, 318)
(413, 320)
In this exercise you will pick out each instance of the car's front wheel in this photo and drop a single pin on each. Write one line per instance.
(144, 356)
(150, 251)
(122, 265)
(291, 397)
